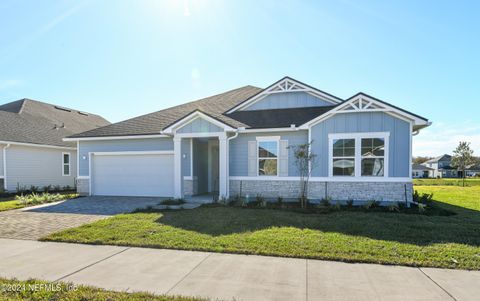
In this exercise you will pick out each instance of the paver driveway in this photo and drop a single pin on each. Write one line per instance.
(35, 222)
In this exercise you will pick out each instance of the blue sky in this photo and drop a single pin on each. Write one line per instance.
(121, 59)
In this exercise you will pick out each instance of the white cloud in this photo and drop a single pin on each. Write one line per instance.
(442, 138)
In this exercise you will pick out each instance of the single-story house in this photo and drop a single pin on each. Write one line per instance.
(421, 171)
(239, 143)
(32, 150)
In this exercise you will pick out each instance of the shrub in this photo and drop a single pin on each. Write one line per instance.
(47, 188)
(337, 206)
(259, 198)
(57, 188)
(280, 201)
(34, 188)
(422, 208)
(172, 202)
(371, 204)
(325, 202)
(426, 198)
(350, 204)
(67, 188)
(394, 207)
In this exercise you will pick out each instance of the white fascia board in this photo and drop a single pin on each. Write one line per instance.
(132, 153)
(37, 145)
(191, 117)
(116, 137)
(268, 130)
(388, 109)
(324, 179)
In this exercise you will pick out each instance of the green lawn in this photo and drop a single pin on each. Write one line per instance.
(353, 236)
(446, 182)
(10, 203)
(42, 290)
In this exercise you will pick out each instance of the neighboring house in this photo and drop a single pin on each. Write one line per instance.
(33, 152)
(442, 167)
(238, 142)
(421, 171)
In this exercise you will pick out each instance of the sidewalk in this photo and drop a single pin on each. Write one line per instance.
(228, 276)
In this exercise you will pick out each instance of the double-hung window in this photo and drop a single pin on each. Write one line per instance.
(343, 157)
(65, 164)
(359, 154)
(373, 157)
(267, 157)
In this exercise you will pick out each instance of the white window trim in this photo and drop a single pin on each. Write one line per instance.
(268, 139)
(358, 153)
(69, 164)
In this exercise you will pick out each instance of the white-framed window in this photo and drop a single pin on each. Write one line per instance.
(358, 154)
(343, 161)
(267, 156)
(373, 157)
(66, 164)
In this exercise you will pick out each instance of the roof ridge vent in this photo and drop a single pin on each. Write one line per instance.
(62, 108)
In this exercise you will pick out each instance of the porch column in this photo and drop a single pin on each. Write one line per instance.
(223, 166)
(177, 168)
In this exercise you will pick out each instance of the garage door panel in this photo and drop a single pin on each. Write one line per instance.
(133, 175)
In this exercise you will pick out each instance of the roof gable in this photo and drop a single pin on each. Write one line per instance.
(362, 102)
(197, 122)
(287, 85)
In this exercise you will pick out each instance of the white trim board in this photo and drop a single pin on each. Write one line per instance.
(116, 137)
(133, 153)
(37, 145)
(323, 179)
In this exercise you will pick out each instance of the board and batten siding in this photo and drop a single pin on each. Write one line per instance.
(38, 166)
(199, 125)
(399, 148)
(239, 150)
(287, 101)
(120, 145)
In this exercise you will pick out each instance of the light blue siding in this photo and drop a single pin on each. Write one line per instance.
(199, 125)
(121, 145)
(239, 150)
(399, 151)
(288, 100)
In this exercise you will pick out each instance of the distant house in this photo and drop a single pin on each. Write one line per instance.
(421, 171)
(32, 150)
(442, 167)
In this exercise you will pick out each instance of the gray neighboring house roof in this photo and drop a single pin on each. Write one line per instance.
(439, 158)
(421, 167)
(35, 122)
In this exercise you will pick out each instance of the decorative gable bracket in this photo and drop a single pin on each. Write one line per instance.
(287, 85)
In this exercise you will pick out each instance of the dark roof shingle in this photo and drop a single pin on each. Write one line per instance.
(31, 121)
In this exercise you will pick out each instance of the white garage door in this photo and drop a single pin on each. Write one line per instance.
(132, 175)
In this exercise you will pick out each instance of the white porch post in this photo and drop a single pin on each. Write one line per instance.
(177, 168)
(223, 166)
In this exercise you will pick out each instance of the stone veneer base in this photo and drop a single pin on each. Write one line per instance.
(336, 191)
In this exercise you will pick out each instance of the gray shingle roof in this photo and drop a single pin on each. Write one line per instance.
(31, 121)
(277, 118)
(153, 123)
(440, 158)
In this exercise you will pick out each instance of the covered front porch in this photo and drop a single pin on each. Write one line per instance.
(201, 169)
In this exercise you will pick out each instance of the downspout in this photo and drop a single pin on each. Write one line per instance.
(228, 158)
(5, 167)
